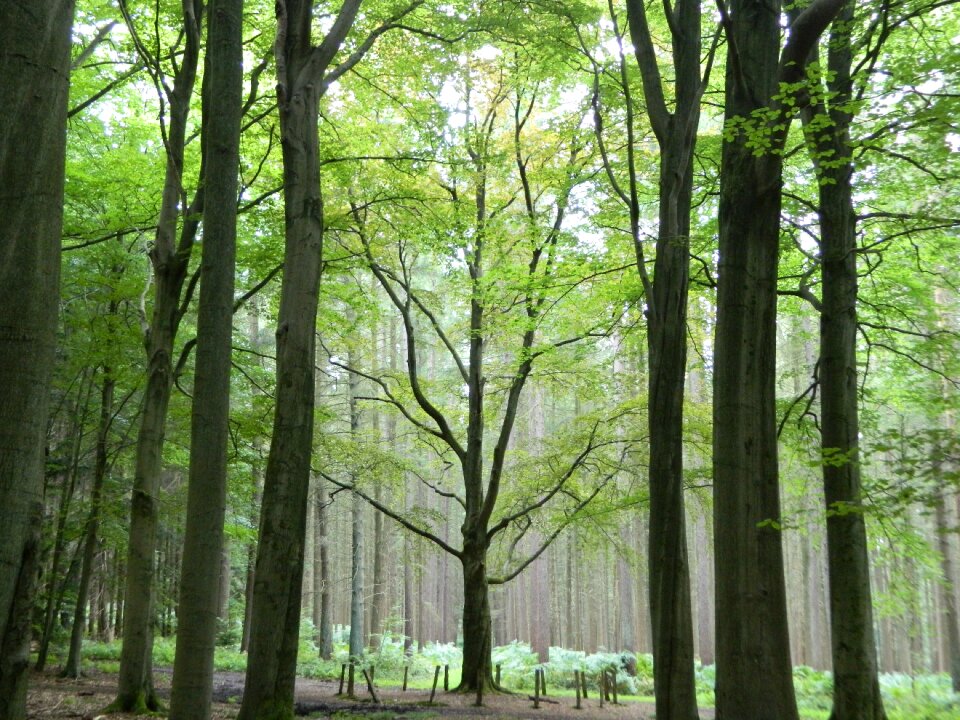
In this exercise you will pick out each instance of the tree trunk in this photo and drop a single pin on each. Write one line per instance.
(324, 621)
(409, 603)
(135, 691)
(856, 688)
(357, 636)
(378, 602)
(476, 612)
(35, 67)
(203, 547)
(754, 675)
(275, 618)
(947, 591)
(670, 605)
(92, 526)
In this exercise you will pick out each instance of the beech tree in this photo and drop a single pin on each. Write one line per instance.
(754, 674)
(490, 284)
(856, 689)
(35, 67)
(304, 72)
(170, 256)
(666, 298)
(198, 607)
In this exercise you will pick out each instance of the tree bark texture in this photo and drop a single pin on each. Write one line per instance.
(856, 687)
(169, 259)
(477, 665)
(35, 67)
(357, 614)
(199, 602)
(754, 674)
(670, 605)
(275, 614)
(325, 619)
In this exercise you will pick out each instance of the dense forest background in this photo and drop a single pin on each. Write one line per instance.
(486, 381)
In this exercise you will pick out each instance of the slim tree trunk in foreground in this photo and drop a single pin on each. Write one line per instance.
(275, 614)
(169, 259)
(357, 614)
(671, 612)
(198, 608)
(324, 620)
(35, 67)
(856, 687)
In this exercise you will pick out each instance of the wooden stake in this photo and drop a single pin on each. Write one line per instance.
(543, 682)
(536, 689)
(497, 682)
(576, 685)
(583, 684)
(343, 673)
(603, 686)
(446, 678)
(350, 677)
(436, 678)
(613, 683)
(406, 671)
(369, 678)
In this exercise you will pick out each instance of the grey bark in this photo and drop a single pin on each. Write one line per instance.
(169, 258)
(275, 613)
(357, 636)
(34, 65)
(670, 604)
(856, 688)
(324, 621)
(754, 674)
(199, 606)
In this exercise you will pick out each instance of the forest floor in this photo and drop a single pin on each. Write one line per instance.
(55, 698)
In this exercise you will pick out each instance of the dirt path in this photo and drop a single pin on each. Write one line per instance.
(54, 698)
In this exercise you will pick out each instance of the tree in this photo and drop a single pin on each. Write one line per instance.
(198, 608)
(169, 257)
(754, 677)
(502, 276)
(856, 687)
(304, 72)
(35, 67)
(666, 298)
(92, 526)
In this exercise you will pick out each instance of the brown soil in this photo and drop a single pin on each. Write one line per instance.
(51, 697)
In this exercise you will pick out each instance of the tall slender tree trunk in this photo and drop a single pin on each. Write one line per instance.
(324, 620)
(357, 635)
(856, 688)
(670, 605)
(275, 618)
(199, 606)
(35, 67)
(169, 260)
(92, 526)
(946, 518)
